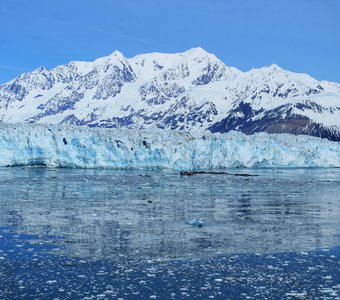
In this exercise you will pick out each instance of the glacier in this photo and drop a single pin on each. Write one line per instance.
(81, 147)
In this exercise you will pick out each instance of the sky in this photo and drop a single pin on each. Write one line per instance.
(298, 35)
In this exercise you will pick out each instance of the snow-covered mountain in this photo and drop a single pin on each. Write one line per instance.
(190, 91)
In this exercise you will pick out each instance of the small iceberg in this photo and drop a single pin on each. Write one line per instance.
(196, 223)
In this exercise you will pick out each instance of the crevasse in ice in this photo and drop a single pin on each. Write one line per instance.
(83, 147)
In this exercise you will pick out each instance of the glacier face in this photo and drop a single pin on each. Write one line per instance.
(75, 146)
(189, 91)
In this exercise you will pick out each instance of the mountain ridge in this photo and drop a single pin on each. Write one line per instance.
(193, 91)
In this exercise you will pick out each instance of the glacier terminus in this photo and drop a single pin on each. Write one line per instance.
(82, 147)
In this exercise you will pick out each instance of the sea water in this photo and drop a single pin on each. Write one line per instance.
(108, 234)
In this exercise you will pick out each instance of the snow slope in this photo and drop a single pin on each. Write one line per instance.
(75, 146)
(190, 91)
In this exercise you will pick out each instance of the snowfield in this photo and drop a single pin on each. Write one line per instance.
(82, 147)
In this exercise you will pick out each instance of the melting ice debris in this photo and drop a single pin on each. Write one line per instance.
(195, 222)
(44, 145)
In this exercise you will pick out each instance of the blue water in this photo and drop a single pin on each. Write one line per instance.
(104, 234)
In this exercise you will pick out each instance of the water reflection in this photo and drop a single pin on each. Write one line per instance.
(114, 214)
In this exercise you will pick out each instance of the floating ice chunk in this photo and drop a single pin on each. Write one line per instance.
(195, 222)
(297, 295)
(51, 281)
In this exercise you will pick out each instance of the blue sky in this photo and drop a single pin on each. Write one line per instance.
(298, 35)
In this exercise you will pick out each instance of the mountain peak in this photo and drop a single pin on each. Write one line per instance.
(115, 57)
(197, 51)
(41, 70)
(117, 54)
(274, 67)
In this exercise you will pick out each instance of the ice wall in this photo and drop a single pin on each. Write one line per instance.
(82, 147)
